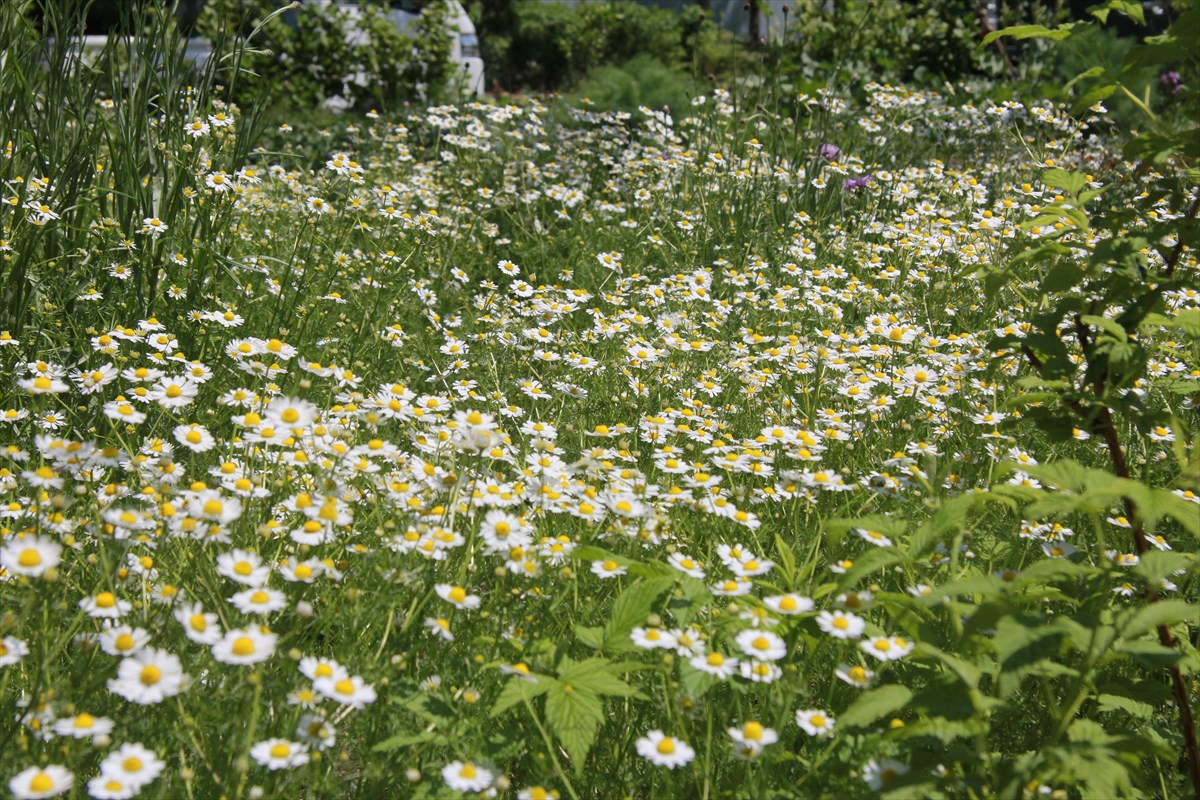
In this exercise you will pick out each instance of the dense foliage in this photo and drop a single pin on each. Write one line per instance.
(317, 54)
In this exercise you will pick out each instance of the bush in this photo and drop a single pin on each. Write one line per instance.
(641, 81)
(551, 47)
(318, 55)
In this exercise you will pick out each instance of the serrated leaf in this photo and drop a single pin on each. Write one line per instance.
(630, 610)
(1094, 95)
(596, 675)
(1029, 32)
(1069, 182)
(693, 598)
(574, 715)
(1156, 565)
(873, 704)
(1149, 653)
(695, 682)
(592, 636)
(407, 740)
(1136, 709)
(967, 672)
(1054, 570)
(518, 690)
(872, 561)
(890, 526)
(1134, 622)
(949, 516)
(1062, 276)
(1109, 326)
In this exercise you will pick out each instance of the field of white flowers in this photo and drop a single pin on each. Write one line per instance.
(533, 451)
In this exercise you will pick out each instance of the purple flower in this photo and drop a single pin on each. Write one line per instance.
(1171, 81)
(830, 151)
(854, 184)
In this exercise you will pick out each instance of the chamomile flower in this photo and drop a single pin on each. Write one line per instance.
(815, 722)
(132, 764)
(279, 754)
(466, 776)
(856, 676)
(244, 646)
(715, 664)
(83, 726)
(887, 648)
(878, 773)
(750, 739)
(788, 604)
(35, 783)
(841, 625)
(148, 676)
(664, 751)
(30, 555)
(761, 645)
(457, 596)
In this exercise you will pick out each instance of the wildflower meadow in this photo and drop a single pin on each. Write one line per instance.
(784, 445)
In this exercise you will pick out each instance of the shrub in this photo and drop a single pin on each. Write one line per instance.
(317, 54)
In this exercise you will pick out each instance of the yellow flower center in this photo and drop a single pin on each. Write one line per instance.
(457, 594)
(752, 731)
(150, 675)
(41, 783)
(280, 751)
(243, 646)
(29, 558)
(666, 747)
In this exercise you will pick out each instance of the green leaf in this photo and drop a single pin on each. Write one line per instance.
(1094, 72)
(1062, 276)
(407, 740)
(592, 636)
(1130, 8)
(1055, 570)
(1134, 708)
(1159, 564)
(695, 682)
(950, 516)
(518, 690)
(575, 716)
(874, 704)
(787, 558)
(596, 675)
(1025, 645)
(1029, 32)
(1134, 622)
(1110, 326)
(1150, 653)
(1070, 182)
(693, 598)
(1094, 95)
(871, 561)
(967, 672)
(630, 610)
